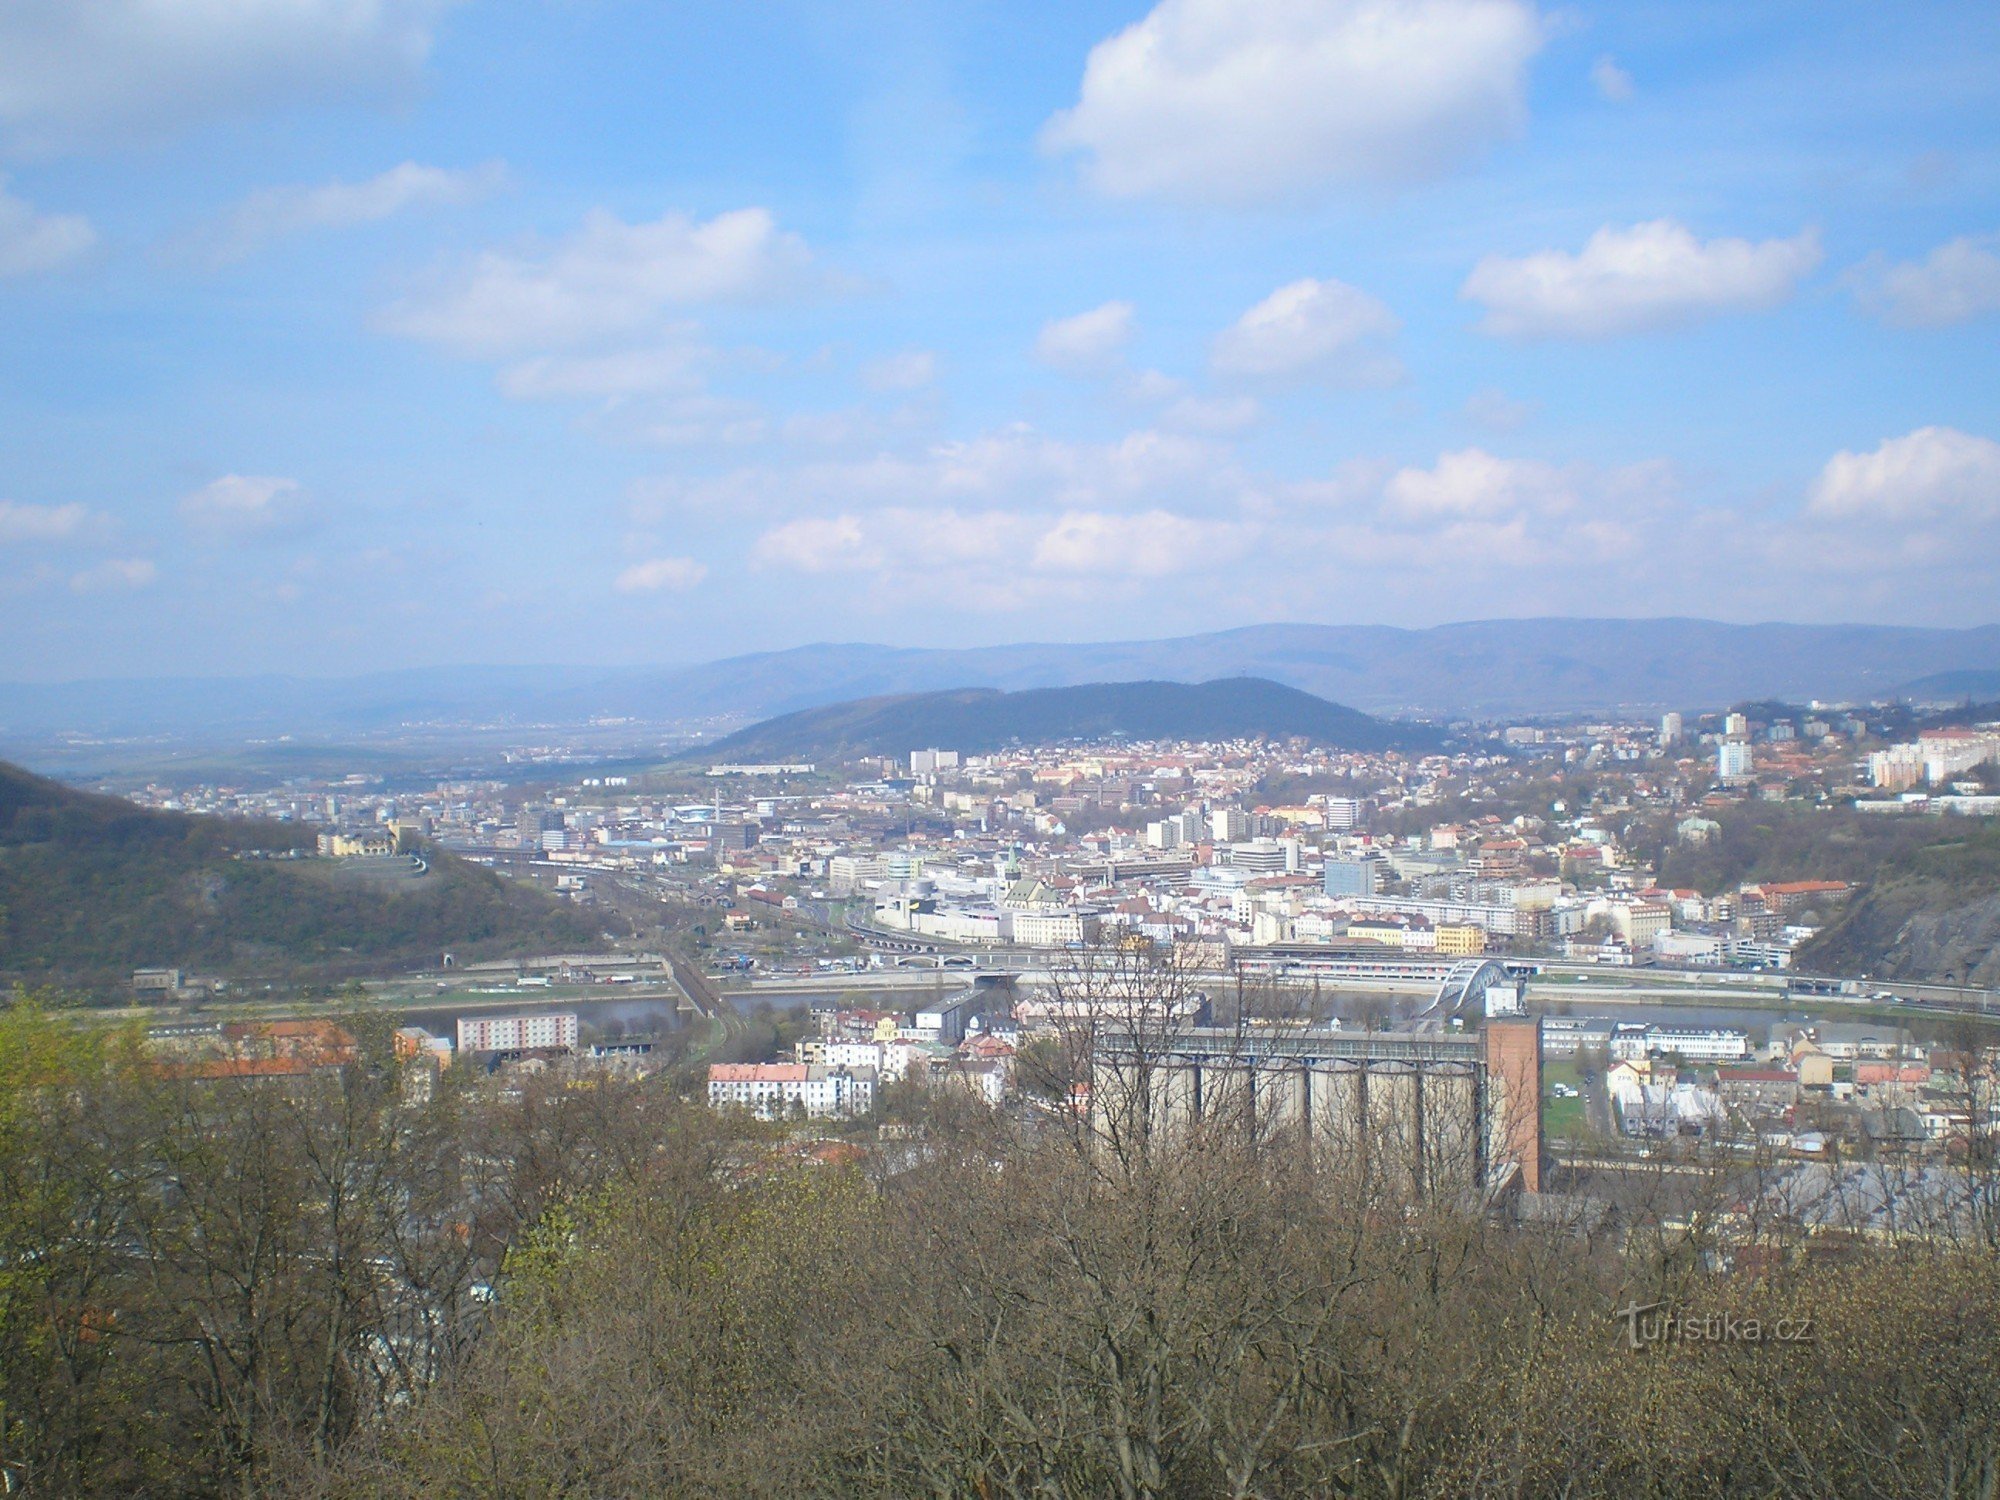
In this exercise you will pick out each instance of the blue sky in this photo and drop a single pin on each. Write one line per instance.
(340, 334)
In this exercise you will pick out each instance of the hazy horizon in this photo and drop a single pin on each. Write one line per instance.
(668, 664)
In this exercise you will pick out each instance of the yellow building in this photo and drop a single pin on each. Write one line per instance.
(1388, 930)
(1815, 1067)
(1460, 940)
(368, 843)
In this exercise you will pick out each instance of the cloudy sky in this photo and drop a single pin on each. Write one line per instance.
(337, 334)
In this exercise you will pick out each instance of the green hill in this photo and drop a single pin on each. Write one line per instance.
(984, 719)
(92, 887)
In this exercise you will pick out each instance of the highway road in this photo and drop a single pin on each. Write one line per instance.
(1652, 988)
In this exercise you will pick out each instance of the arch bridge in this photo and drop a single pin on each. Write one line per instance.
(1480, 986)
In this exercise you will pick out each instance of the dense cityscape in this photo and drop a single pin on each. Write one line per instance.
(1152, 749)
(1546, 849)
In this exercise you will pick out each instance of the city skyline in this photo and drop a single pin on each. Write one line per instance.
(351, 335)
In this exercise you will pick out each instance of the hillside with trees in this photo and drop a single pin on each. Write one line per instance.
(92, 887)
(1931, 912)
(334, 1285)
(1788, 841)
(984, 719)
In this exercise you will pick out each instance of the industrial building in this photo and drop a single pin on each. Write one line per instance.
(1421, 1111)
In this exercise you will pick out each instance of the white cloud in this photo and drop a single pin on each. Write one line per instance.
(1474, 509)
(1151, 544)
(1151, 386)
(608, 281)
(243, 503)
(1218, 416)
(1011, 468)
(115, 573)
(1651, 276)
(1088, 343)
(33, 241)
(1934, 473)
(1241, 101)
(669, 369)
(1002, 557)
(661, 573)
(40, 523)
(908, 370)
(1610, 80)
(847, 427)
(1326, 329)
(813, 544)
(1958, 281)
(697, 421)
(1014, 523)
(1474, 483)
(1498, 410)
(278, 212)
(78, 72)
(992, 522)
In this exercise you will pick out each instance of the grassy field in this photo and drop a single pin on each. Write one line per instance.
(1561, 1117)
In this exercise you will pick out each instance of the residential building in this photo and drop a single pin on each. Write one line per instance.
(770, 1090)
(1460, 939)
(550, 1030)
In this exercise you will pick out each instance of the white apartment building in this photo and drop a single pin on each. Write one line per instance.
(769, 1090)
(552, 1030)
(1266, 856)
(1933, 758)
(1695, 1043)
(1051, 929)
(847, 873)
(1638, 922)
(1504, 920)
(1342, 813)
(888, 1061)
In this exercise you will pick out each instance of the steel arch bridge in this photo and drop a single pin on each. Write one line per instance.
(1468, 985)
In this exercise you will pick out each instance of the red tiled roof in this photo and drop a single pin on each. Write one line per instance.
(238, 1067)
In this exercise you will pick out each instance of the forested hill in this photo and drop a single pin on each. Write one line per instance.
(92, 887)
(984, 719)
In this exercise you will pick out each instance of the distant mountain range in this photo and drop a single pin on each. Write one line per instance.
(1955, 687)
(985, 719)
(1482, 668)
